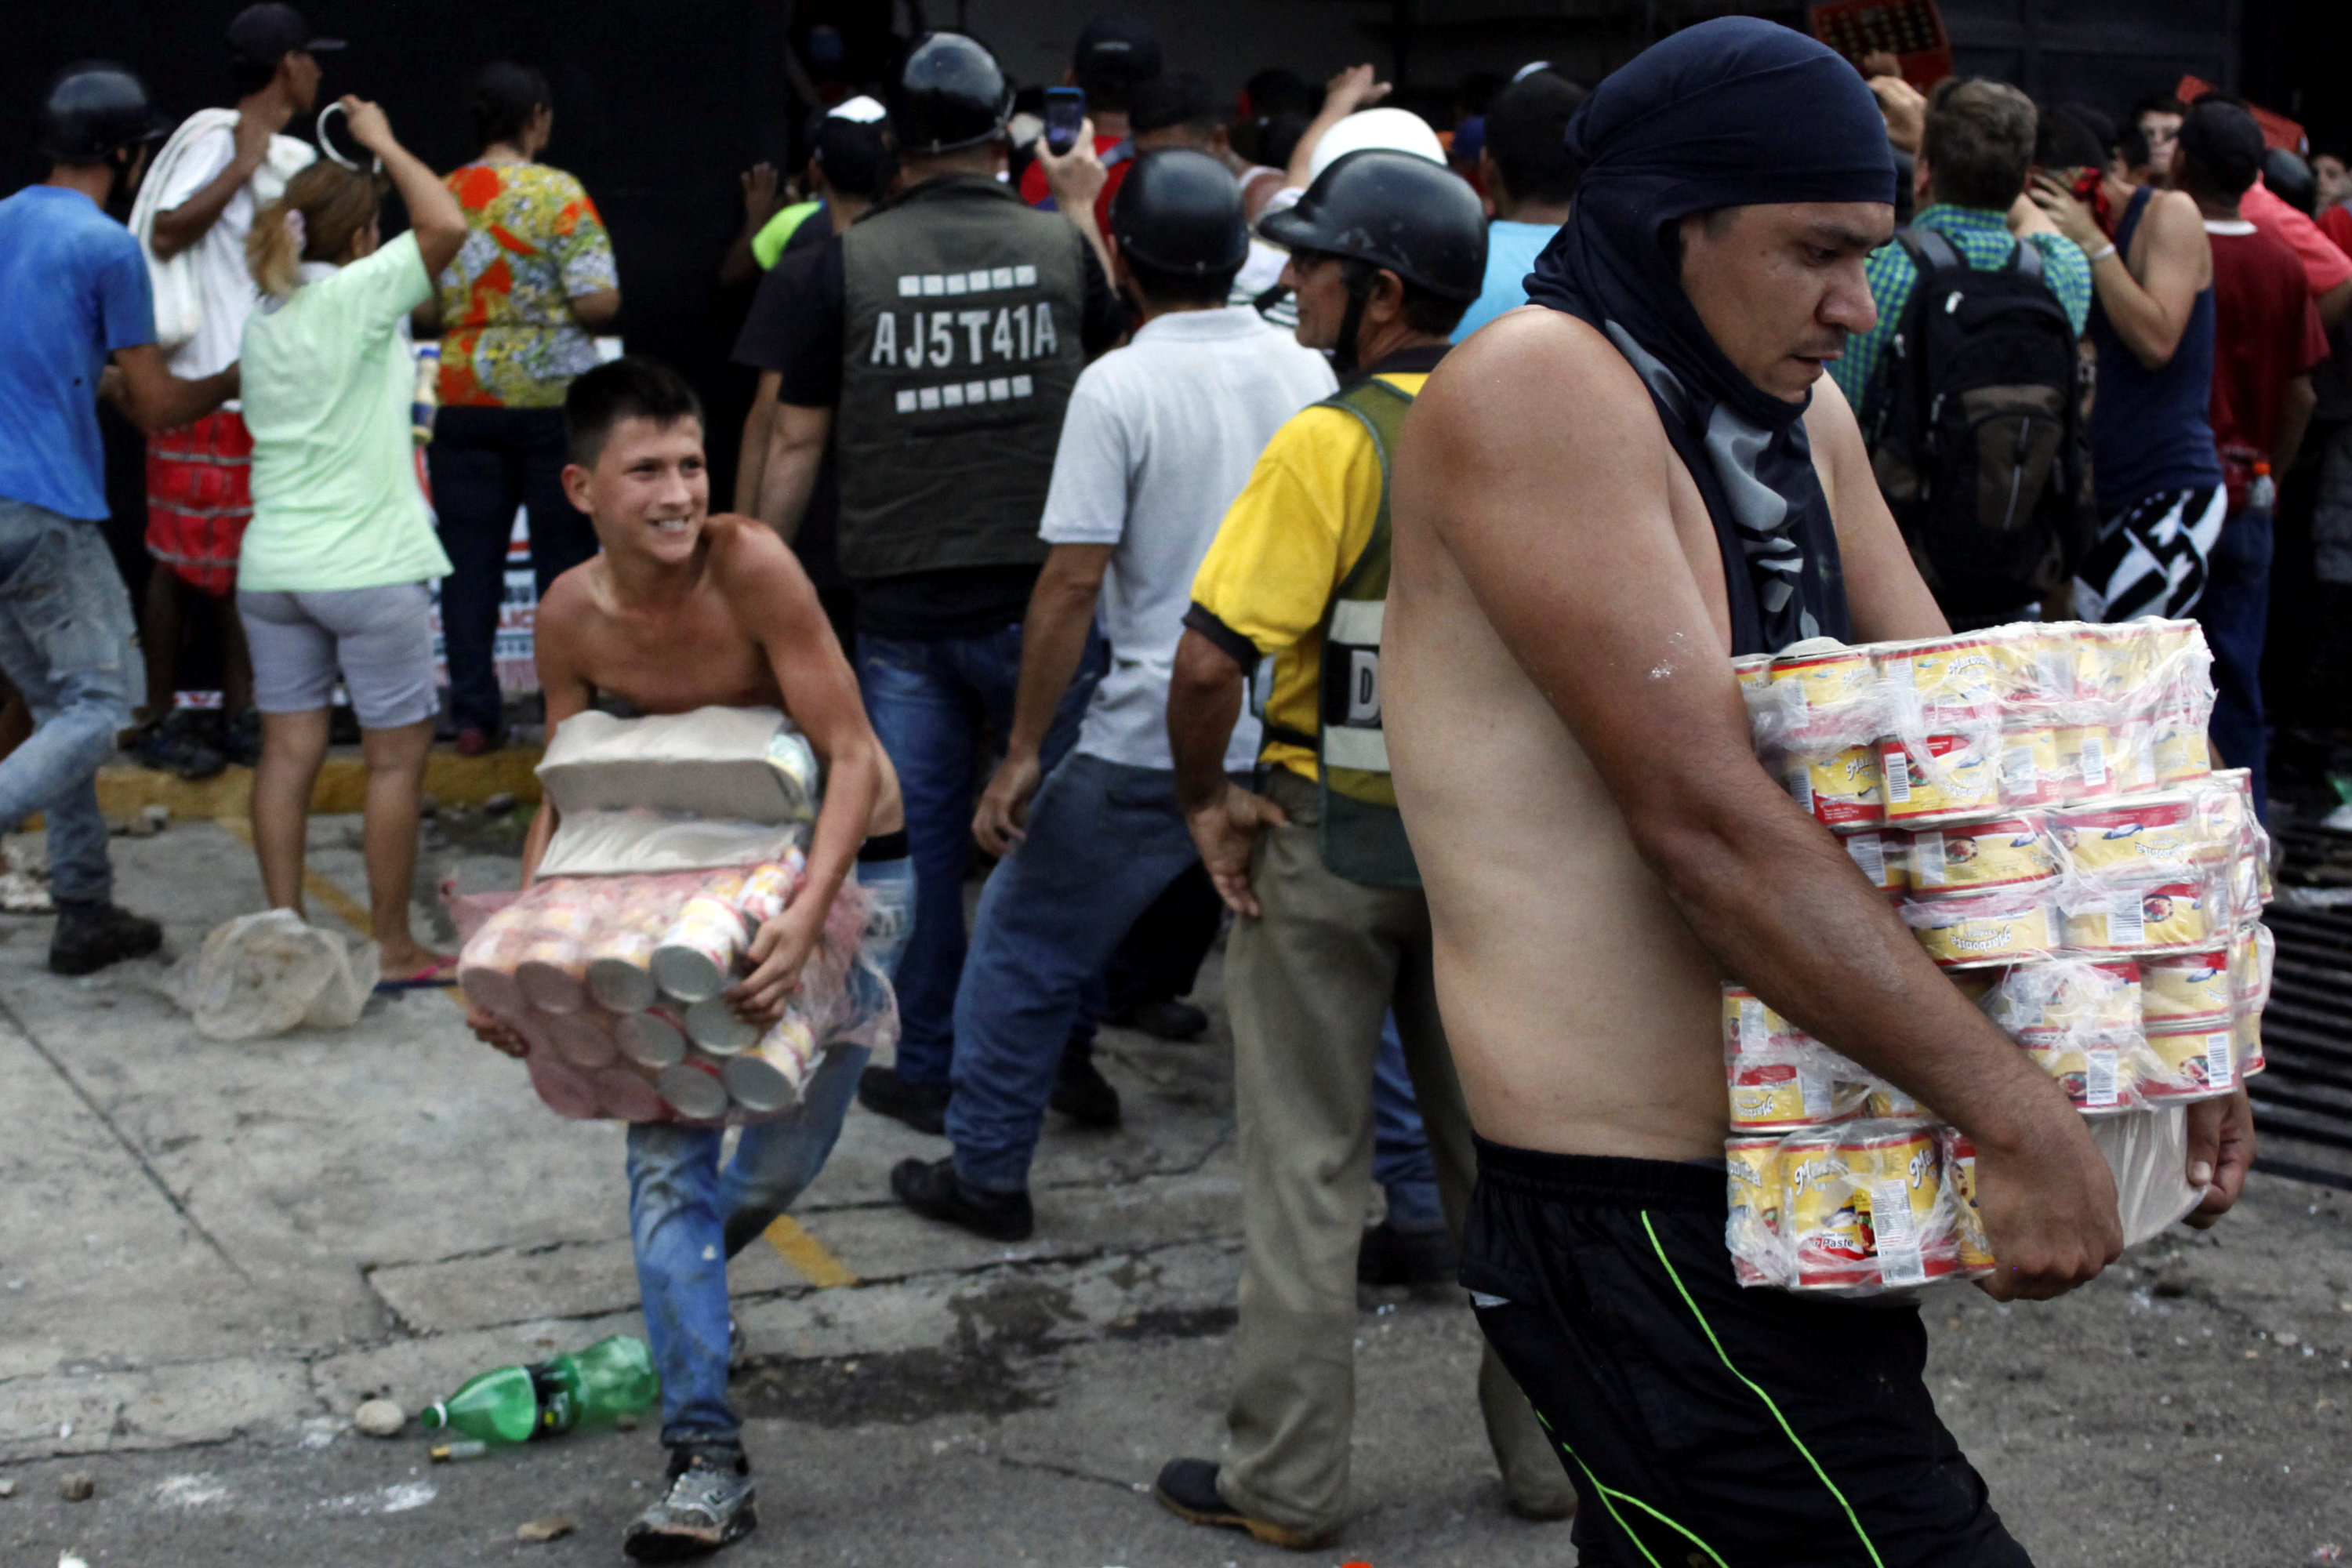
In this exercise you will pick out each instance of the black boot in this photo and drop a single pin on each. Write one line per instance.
(933, 1190)
(1082, 1093)
(91, 936)
(921, 1106)
(1388, 1256)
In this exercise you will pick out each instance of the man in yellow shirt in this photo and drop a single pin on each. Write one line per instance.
(1333, 931)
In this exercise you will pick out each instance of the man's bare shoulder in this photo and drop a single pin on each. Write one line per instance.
(755, 572)
(1535, 377)
(571, 602)
(1537, 410)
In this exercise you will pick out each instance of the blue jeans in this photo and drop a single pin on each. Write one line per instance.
(2235, 611)
(1103, 841)
(486, 463)
(66, 640)
(931, 702)
(1401, 1158)
(688, 1217)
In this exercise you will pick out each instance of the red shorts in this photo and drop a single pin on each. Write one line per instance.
(199, 498)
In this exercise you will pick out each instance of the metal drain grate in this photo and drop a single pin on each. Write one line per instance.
(2303, 1104)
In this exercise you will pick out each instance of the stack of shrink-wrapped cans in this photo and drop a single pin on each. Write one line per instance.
(619, 985)
(2039, 804)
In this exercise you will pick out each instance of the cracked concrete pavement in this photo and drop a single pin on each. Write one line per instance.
(212, 1252)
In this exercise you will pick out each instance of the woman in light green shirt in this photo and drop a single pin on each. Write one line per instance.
(333, 579)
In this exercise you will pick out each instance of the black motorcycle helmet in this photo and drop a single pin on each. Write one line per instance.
(948, 93)
(1179, 211)
(1394, 212)
(94, 111)
(1401, 212)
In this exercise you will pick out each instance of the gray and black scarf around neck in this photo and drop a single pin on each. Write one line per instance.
(1732, 112)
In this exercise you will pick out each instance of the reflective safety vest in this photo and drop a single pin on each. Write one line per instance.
(962, 339)
(1362, 837)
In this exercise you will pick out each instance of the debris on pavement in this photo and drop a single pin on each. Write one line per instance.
(76, 1486)
(541, 1529)
(464, 1448)
(7, 1487)
(380, 1418)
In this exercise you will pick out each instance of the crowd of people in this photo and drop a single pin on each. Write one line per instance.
(1079, 521)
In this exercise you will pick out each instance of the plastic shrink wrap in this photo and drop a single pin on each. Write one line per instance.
(2039, 804)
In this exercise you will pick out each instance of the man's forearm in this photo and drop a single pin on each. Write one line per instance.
(1204, 702)
(852, 782)
(1053, 640)
(189, 222)
(789, 479)
(752, 453)
(1778, 901)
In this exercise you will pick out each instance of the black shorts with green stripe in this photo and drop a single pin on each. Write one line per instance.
(1706, 1425)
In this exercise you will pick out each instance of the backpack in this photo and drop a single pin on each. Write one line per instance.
(1978, 433)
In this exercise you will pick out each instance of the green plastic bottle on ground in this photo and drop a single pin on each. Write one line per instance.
(511, 1405)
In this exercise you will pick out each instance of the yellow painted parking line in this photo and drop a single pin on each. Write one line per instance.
(804, 1252)
(339, 903)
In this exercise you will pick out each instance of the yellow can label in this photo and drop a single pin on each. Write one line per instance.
(1948, 672)
(1840, 788)
(2131, 920)
(2193, 987)
(2130, 837)
(1826, 679)
(2194, 1065)
(1963, 930)
(2011, 852)
(1953, 775)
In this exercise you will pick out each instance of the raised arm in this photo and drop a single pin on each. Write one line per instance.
(433, 213)
(1550, 522)
(773, 599)
(2148, 306)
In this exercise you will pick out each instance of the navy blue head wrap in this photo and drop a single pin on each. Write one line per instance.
(1732, 112)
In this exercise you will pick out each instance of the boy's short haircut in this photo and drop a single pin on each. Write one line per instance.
(1978, 142)
(1527, 130)
(630, 387)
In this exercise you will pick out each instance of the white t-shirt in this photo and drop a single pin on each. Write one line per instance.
(224, 282)
(1159, 438)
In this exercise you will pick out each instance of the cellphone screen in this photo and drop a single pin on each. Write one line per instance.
(1065, 114)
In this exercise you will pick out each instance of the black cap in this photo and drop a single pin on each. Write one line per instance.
(1417, 219)
(2289, 179)
(1115, 51)
(263, 34)
(2224, 143)
(948, 93)
(93, 111)
(1180, 212)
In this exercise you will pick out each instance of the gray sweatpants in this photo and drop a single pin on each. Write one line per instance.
(1307, 984)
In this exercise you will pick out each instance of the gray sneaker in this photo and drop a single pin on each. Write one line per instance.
(710, 1504)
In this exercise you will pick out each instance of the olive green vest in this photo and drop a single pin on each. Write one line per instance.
(960, 345)
(1362, 837)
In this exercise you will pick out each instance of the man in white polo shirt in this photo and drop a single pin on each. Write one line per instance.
(1159, 438)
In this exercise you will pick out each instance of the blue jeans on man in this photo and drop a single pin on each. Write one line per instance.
(1103, 841)
(66, 642)
(1402, 1162)
(2235, 610)
(931, 702)
(688, 1215)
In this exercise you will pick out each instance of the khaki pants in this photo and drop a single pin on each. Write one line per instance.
(1305, 984)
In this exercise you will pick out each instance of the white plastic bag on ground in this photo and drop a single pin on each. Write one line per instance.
(262, 974)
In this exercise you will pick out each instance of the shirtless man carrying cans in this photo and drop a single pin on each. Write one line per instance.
(1600, 849)
(679, 611)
